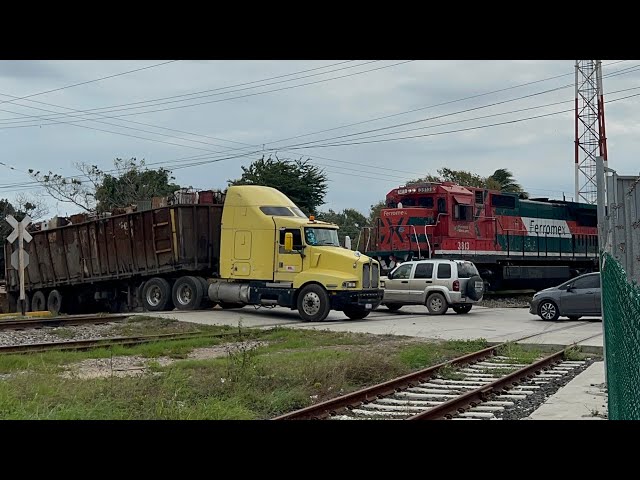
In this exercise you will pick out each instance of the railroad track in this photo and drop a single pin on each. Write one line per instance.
(58, 321)
(485, 383)
(110, 341)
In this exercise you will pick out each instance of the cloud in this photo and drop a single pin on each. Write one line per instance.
(539, 152)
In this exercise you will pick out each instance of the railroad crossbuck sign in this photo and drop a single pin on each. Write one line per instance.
(20, 258)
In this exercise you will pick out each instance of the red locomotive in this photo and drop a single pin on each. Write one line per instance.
(515, 242)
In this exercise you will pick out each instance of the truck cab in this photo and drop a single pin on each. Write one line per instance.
(273, 254)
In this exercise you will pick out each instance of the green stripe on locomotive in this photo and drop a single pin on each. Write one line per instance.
(569, 211)
(578, 246)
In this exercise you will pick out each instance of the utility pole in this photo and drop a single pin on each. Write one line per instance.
(20, 258)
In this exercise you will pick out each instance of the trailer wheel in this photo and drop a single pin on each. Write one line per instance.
(27, 303)
(54, 302)
(156, 295)
(39, 302)
(206, 301)
(313, 303)
(187, 293)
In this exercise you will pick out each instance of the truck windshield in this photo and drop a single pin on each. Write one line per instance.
(321, 236)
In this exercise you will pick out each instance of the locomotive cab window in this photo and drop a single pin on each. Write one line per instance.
(442, 205)
(462, 212)
(425, 202)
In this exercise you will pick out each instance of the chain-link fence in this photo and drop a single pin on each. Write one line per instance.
(621, 304)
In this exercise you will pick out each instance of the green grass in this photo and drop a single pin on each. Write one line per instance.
(519, 354)
(295, 369)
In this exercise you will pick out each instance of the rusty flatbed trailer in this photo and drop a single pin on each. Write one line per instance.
(109, 261)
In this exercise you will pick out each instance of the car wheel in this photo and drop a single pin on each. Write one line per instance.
(394, 307)
(548, 310)
(574, 317)
(462, 308)
(437, 304)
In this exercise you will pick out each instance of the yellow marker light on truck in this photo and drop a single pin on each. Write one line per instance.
(348, 284)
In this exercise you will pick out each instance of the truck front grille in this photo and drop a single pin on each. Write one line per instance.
(375, 275)
(366, 276)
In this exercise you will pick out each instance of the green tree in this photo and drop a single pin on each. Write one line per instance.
(305, 184)
(374, 212)
(349, 220)
(96, 190)
(502, 179)
(506, 182)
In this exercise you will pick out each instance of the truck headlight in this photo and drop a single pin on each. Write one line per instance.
(348, 284)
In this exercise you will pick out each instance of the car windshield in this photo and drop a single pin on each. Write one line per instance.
(466, 270)
(321, 236)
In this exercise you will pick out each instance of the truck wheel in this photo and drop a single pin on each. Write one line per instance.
(39, 302)
(187, 293)
(394, 307)
(27, 303)
(229, 306)
(206, 301)
(462, 308)
(156, 295)
(437, 304)
(313, 303)
(54, 302)
(356, 313)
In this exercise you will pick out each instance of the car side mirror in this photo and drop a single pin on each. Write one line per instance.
(569, 288)
(390, 275)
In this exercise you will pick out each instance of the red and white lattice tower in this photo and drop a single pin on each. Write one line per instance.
(591, 140)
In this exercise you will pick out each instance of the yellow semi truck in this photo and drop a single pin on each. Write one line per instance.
(272, 254)
(252, 246)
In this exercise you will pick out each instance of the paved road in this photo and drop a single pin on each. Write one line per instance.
(492, 324)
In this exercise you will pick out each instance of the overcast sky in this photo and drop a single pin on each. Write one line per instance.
(46, 132)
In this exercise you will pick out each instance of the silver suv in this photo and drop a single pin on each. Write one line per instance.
(437, 284)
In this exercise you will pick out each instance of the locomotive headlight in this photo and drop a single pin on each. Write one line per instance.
(348, 284)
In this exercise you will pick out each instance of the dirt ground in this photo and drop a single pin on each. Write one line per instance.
(126, 366)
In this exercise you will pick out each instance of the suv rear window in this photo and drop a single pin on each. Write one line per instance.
(466, 270)
(444, 270)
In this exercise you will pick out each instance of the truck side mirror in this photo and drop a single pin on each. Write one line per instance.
(347, 242)
(288, 241)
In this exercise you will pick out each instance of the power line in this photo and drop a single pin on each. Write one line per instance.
(434, 105)
(90, 81)
(88, 111)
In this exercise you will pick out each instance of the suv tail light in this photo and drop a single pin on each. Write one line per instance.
(456, 285)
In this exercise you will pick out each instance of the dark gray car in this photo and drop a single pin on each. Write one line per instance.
(576, 298)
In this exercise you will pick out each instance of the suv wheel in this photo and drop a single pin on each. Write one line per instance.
(437, 304)
(462, 308)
